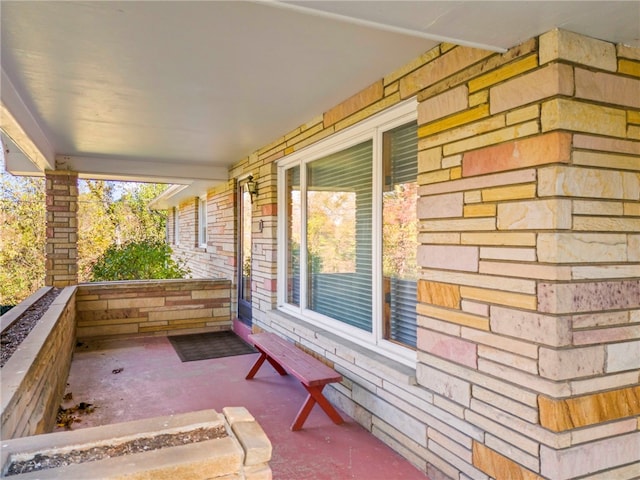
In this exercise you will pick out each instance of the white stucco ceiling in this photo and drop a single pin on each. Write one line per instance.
(178, 91)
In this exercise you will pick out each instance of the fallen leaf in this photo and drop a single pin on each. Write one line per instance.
(65, 417)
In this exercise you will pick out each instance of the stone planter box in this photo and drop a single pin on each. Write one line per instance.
(243, 454)
(34, 378)
(16, 312)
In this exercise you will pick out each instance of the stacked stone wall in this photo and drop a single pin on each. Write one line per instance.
(34, 379)
(153, 307)
(62, 228)
(528, 303)
(219, 258)
(187, 248)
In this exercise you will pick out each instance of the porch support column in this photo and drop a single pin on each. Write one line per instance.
(62, 228)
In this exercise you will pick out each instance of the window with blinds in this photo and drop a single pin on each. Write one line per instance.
(400, 233)
(348, 233)
(339, 233)
(294, 231)
(202, 221)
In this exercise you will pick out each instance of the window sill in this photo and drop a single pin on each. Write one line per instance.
(339, 349)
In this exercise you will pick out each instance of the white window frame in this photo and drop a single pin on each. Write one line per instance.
(369, 129)
(202, 221)
(176, 225)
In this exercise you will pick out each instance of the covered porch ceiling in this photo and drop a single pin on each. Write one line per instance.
(178, 91)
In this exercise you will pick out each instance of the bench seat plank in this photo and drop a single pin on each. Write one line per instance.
(311, 372)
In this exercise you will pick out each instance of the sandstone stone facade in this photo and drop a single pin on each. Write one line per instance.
(219, 256)
(528, 360)
(153, 307)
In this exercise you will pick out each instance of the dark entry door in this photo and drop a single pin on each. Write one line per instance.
(244, 254)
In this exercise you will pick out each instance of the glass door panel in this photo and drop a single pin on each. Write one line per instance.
(244, 255)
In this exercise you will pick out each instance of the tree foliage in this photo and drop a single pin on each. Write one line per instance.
(96, 229)
(331, 231)
(113, 219)
(22, 237)
(104, 221)
(400, 232)
(141, 260)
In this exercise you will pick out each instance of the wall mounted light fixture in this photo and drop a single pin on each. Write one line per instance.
(251, 187)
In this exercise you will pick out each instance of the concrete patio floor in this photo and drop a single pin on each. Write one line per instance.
(153, 382)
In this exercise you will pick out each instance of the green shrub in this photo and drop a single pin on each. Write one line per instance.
(144, 260)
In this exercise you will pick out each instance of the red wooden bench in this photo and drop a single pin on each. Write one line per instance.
(312, 373)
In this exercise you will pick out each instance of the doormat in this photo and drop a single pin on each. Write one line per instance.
(202, 346)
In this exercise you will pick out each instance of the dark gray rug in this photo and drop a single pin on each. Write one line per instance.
(202, 346)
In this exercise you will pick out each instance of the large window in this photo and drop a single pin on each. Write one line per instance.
(348, 227)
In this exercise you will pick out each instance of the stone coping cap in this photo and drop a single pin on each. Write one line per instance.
(144, 283)
(105, 434)
(12, 315)
(219, 458)
(246, 444)
(237, 414)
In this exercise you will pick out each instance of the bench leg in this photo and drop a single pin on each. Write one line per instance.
(256, 366)
(315, 396)
(260, 361)
(276, 365)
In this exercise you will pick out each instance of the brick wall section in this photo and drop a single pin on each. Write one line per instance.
(62, 228)
(153, 307)
(34, 378)
(528, 308)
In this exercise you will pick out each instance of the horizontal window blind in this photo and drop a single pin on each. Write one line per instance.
(293, 235)
(400, 241)
(404, 154)
(339, 235)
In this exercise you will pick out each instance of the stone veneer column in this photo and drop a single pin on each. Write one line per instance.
(62, 228)
(529, 320)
